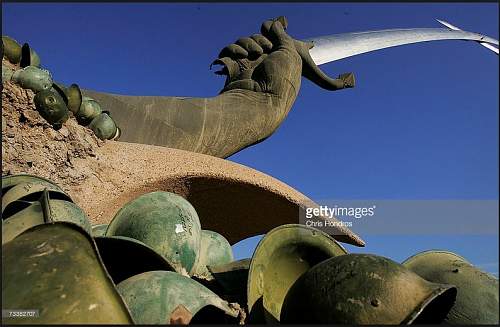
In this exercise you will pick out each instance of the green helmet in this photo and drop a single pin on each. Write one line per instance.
(42, 212)
(52, 107)
(99, 230)
(12, 180)
(125, 257)
(74, 96)
(365, 289)
(33, 78)
(477, 291)
(164, 297)
(89, 109)
(164, 221)
(6, 74)
(215, 250)
(56, 269)
(29, 57)
(29, 191)
(103, 126)
(118, 134)
(11, 49)
(231, 280)
(280, 258)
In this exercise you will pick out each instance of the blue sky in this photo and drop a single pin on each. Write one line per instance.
(421, 123)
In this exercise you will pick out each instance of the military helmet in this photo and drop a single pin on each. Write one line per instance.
(29, 191)
(280, 258)
(166, 222)
(164, 297)
(11, 49)
(125, 257)
(365, 289)
(42, 212)
(52, 107)
(99, 230)
(29, 57)
(33, 78)
(74, 96)
(56, 269)
(89, 109)
(230, 280)
(477, 291)
(103, 126)
(10, 181)
(6, 73)
(118, 134)
(215, 250)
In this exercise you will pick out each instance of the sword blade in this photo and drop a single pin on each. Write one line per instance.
(339, 46)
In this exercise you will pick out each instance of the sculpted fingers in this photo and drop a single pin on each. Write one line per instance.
(233, 51)
(263, 42)
(278, 36)
(251, 46)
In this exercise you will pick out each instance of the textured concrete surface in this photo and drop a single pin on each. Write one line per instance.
(230, 198)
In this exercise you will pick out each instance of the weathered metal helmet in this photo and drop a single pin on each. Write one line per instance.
(125, 257)
(365, 289)
(33, 78)
(56, 269)
(166, 222)
(74, 96)
(11, 49)
(89, 109)
(6, 73)
(477, 291)
(10, 181)
(29, 57)
(118, 134)
(99, 230)
(280, 258)
(103, 126)
(164, 297)
(42, 212)
(52, 107)
(29, 191)
(230, 280)
(215, 250)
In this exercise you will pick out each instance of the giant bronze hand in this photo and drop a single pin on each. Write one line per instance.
(263, 74)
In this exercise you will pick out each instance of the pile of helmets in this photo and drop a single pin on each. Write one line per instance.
(53, 100)
(153, 264)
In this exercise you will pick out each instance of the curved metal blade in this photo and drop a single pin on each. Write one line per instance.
(334, 47)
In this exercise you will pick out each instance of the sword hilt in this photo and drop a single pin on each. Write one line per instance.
(312, 72)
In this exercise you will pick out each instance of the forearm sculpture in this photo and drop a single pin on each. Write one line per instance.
(263, 75)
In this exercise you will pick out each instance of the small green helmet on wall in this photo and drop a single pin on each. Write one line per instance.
(11, 49)
(74, 96)
(29, 57)
(56, 269)
(103, 127)
(164, 297)
(89, 109)
(215, 250)
(360, 289)
(52, 108)
(477, 292)
(280, 258)
(166, 222)
(33, 78)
